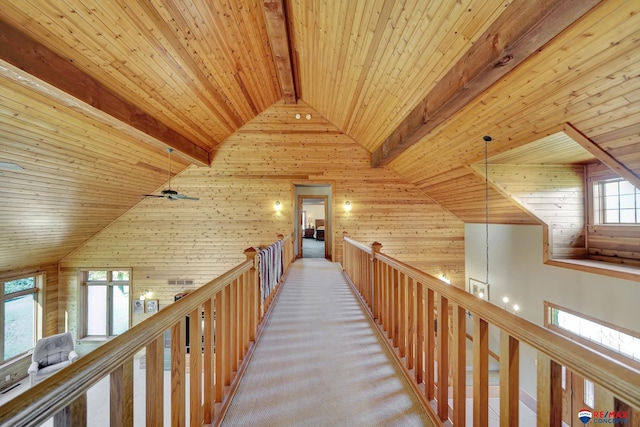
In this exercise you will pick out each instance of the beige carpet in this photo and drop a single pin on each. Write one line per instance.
(319, 362)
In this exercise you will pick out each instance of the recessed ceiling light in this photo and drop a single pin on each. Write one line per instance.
(298, 116)
(308, 117)
(8, 166)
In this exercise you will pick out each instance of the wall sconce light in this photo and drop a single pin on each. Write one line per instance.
(445, 279)
(516, 308)
(278, 206)
(145, 294)
(505, 300)
(347, 206)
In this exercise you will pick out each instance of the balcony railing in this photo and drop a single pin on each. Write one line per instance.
(232, 310)
(425, 323)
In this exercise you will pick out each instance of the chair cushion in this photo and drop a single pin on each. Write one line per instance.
(53, 349)
(45, 372)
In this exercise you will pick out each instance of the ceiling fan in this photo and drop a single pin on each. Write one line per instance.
(169, 193)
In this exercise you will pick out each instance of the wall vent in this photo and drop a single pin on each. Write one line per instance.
(181, 282)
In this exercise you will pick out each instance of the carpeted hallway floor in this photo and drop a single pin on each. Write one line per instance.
(312, 248)
(319, 362)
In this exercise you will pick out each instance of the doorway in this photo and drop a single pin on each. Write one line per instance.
(313, 221)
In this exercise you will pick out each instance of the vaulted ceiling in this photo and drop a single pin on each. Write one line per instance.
(92, 93)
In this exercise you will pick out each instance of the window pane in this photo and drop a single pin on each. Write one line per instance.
(611, 217)
(19, 325)
(611, 188)
(611, 202)
(589, 394)
(626, 187)
(97, 310)
(120, 312)
(19, 285)
(119, 276)
(97, 276)
(627, 201)
(627, 216)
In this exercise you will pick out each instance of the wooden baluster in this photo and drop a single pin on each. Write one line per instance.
(195, 368)
(178, 372)
(155, 383)
(208, 361)
(430, 347)
(240, 319)
(402, 315)
(459, 382)
(233, 322)
(254, 293)
(411, 322)
(395, 312)
(73, 415)
(121, 395)
(549, 391)
(376, 279)
(227, 344)
(246, 313)
(420, 334)
(385, 298)
(443, 357)
(509, 379)
(480, 372)
(220, 337)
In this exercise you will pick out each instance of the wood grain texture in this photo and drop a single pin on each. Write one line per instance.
(523, 28)
(207, 71)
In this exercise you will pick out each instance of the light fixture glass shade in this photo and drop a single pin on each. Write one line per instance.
(347, 205)
(278, 206)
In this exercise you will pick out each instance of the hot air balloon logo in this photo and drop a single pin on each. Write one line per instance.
(585, 416)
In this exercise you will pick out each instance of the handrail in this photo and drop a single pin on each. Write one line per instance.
(55, 393)
(395, 283)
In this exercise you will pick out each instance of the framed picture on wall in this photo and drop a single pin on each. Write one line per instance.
(152, 306)
(138, 306)
(479, 289)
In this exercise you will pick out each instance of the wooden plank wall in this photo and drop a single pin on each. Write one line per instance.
(554, 194)
(463, 193)
(162, 239)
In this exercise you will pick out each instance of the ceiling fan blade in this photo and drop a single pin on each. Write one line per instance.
(185, 197)
(153, 195)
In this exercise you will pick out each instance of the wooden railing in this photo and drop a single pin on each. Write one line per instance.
(230, 308)
(417, 313)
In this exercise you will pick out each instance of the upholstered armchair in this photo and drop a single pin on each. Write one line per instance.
(50, 355)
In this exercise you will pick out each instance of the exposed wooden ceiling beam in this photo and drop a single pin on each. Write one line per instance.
(523, 28)
(602, 155)
(20, 50)
(276, 20)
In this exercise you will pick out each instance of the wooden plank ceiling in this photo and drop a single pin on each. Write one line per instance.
(93, 92)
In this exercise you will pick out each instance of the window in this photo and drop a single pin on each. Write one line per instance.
(615, 340)
(106, 303)
(589, 394)
(616, 201)
(19, 315)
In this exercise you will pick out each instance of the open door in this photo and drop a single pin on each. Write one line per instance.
(314, 227)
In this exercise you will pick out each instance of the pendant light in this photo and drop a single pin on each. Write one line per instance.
(487, 139)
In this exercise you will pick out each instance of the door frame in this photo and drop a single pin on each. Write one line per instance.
(327, 223)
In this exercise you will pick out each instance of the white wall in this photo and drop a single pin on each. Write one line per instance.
(516, 270)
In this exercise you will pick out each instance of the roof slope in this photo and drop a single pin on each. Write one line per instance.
(91, 94)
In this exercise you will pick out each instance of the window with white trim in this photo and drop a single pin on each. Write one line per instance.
(106, 303)
(20, 315)
(616, 201)
(589, 394)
